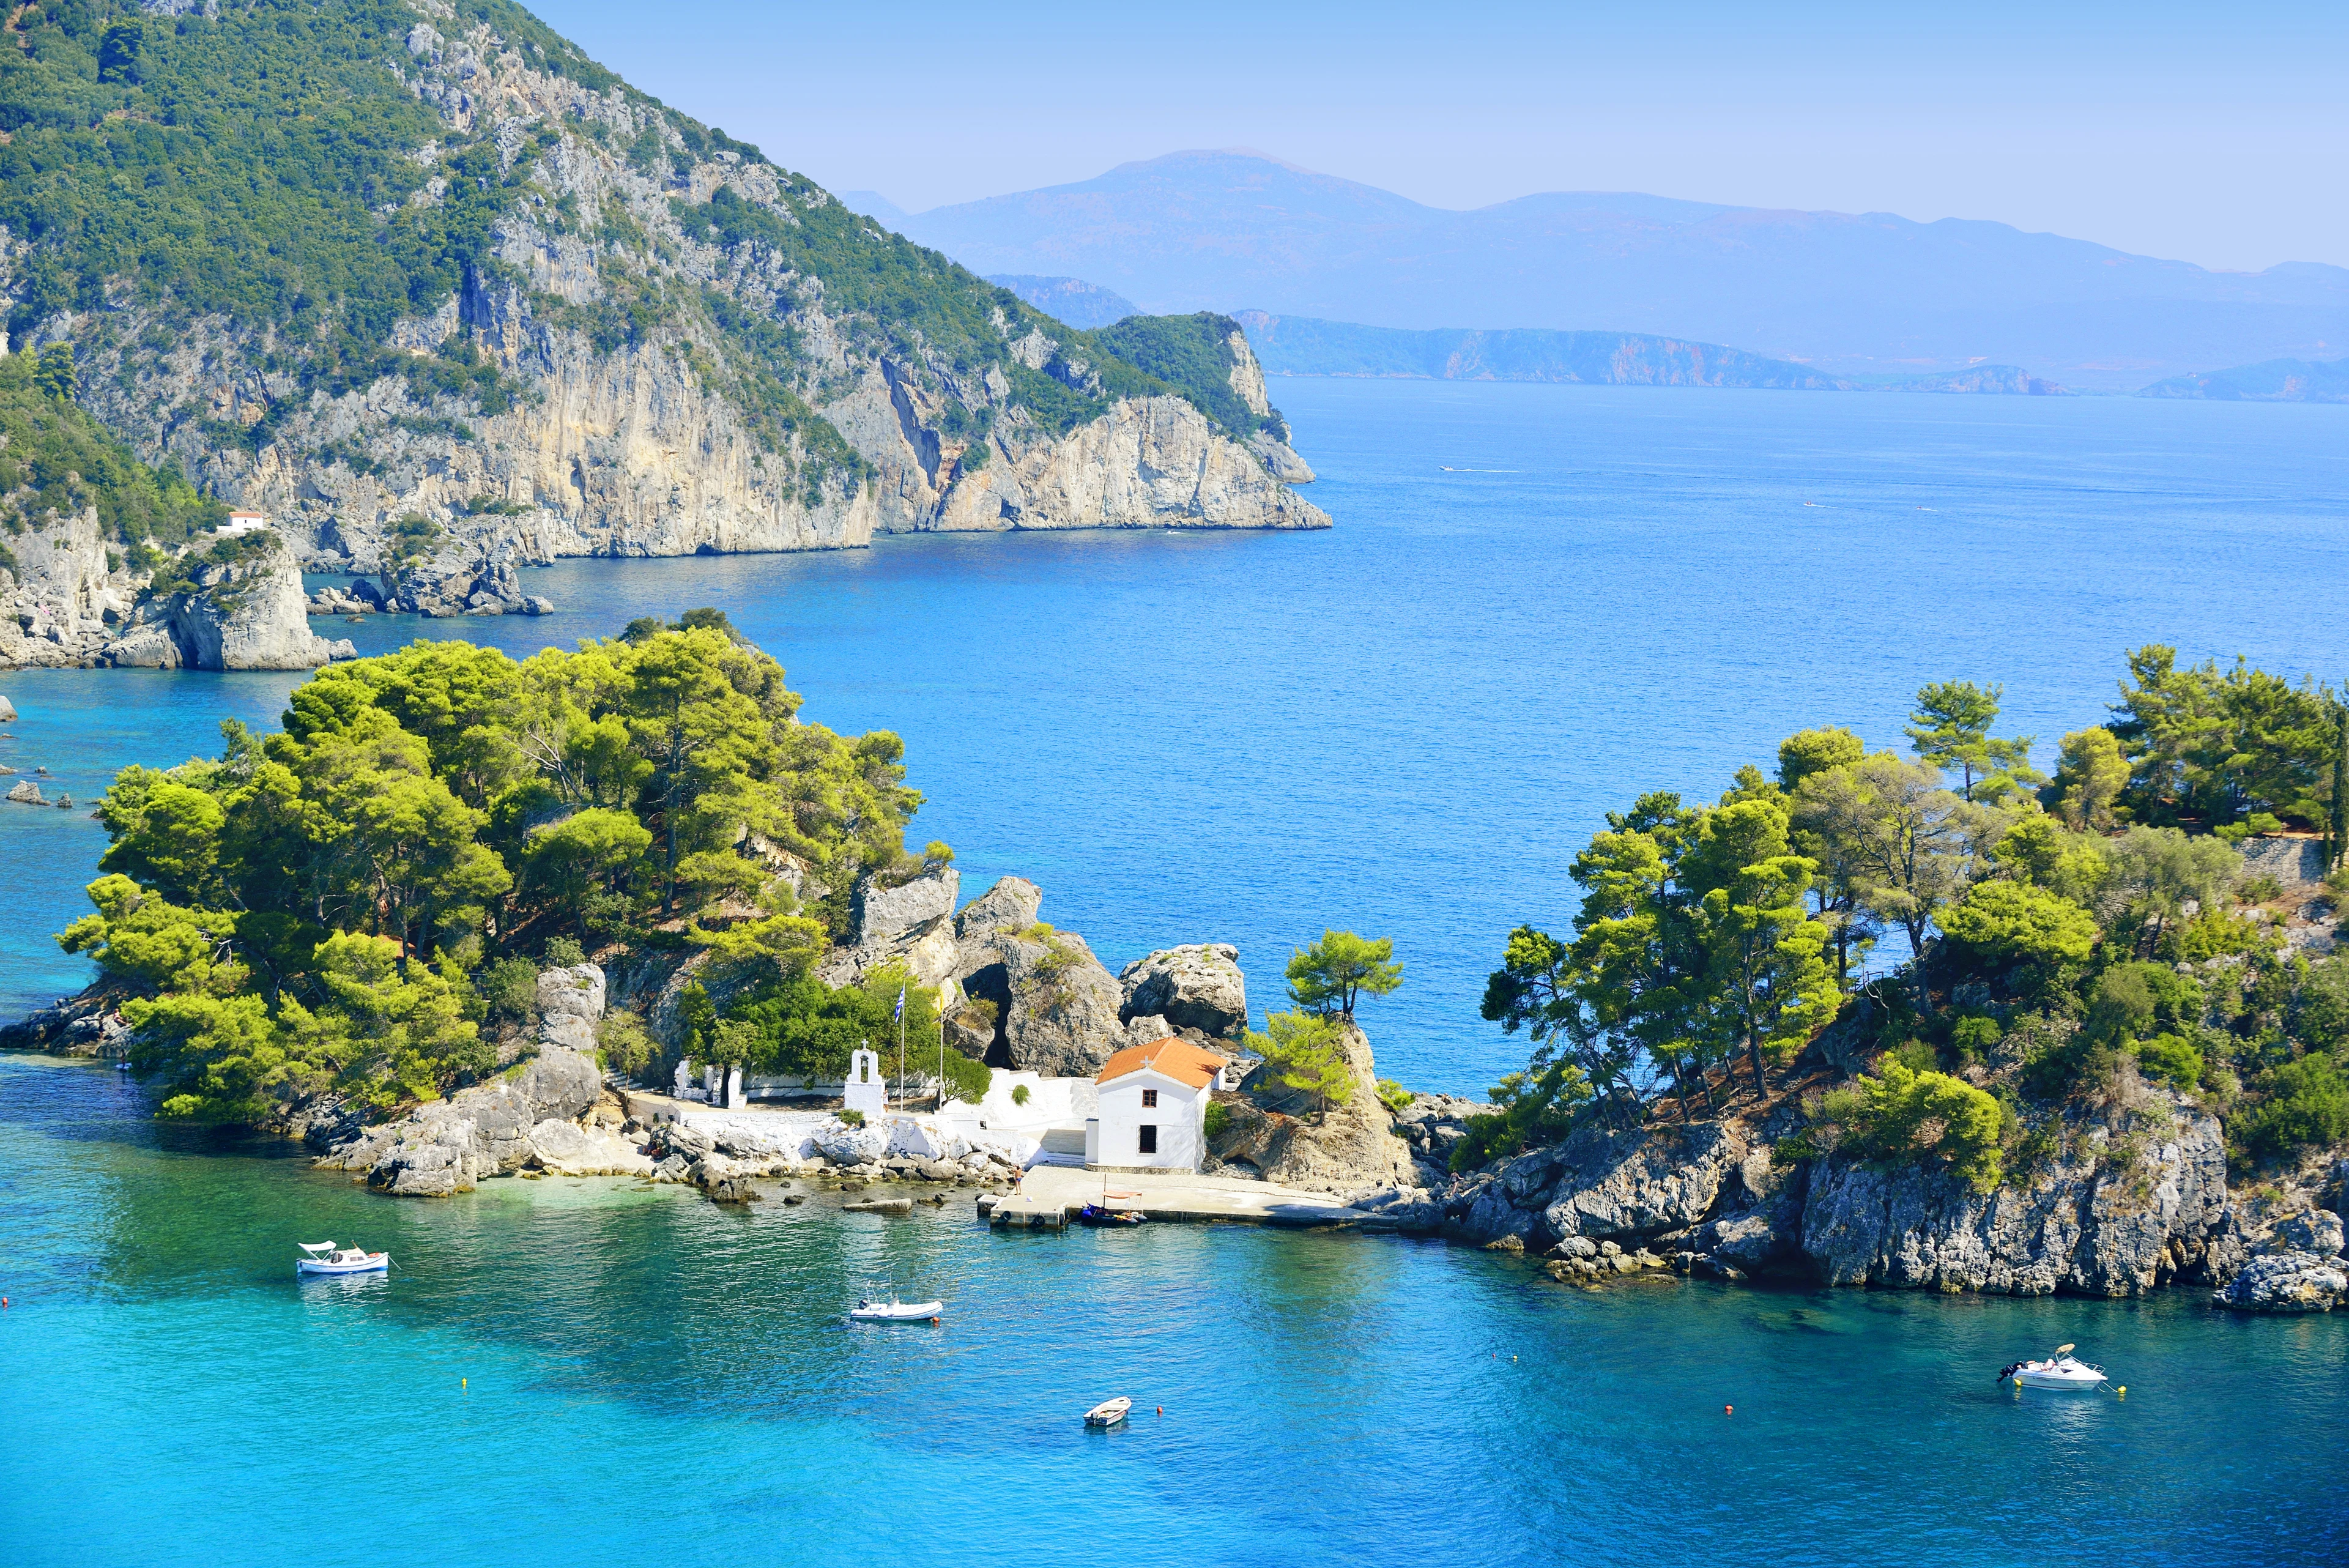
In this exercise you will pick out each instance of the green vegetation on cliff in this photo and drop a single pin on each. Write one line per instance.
(270, 163)
(56, 461)
(324, 908)
(2066, 938)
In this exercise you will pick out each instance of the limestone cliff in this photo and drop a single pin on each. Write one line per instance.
(233, 604)
(664, 345)
(2119, 1206)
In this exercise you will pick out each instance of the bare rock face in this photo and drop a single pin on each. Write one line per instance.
(2079, 1227)
(1062, 1020)
(2092, 1222)
(486, 1130)
(1012, 904)
(1197, 986)
(7, 711)
(578, 990)
(250, 616)
(70, 603)
(878, 911)
(2286, 1282)
(1348, 1149)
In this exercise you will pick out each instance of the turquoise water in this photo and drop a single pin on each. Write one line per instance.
(1408, 724)
(649, 1378)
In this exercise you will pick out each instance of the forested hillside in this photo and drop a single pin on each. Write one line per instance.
(345, 905)
(2067, 940)
(355, 258)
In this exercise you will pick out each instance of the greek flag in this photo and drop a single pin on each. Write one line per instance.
(900, 1013)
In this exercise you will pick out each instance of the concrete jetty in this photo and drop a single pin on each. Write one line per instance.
(1049, 1198)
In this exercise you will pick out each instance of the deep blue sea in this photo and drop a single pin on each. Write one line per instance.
(1537, 602)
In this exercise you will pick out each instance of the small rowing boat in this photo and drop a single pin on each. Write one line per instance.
(1094, 1214)
(2060, 1370)
(1109, 1412)
(895, 1311)
(326, 1257)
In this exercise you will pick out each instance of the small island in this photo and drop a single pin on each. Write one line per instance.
(620, 911)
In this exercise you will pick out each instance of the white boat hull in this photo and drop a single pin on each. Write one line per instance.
(373, 1263)
(898, 1312)
(2060, 1379)
(1108, 1413)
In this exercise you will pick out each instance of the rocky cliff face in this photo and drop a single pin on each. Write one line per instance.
(2112, 1213)
(619, 377)
(71, 600)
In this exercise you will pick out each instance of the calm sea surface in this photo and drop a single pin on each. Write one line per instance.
(598, 1373)
(1537, 602)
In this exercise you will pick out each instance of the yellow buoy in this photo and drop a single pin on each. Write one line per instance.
(462, 1383)
(2124, 1387)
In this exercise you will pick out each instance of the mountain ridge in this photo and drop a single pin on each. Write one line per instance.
(358, 259)
(1292, 346)
(1850, 293)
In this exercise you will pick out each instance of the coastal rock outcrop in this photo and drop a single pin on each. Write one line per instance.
(1347, 1149)
(2103, 1216)
(1197, 986)
(490, 1129)
(2286, 1282)
(530, 1121)
(69, 600)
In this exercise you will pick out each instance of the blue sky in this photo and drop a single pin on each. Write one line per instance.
(2218, 134)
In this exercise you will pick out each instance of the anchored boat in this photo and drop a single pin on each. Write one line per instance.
(1109, 1412)
(2060, 1370)
(326, 1257)
(895, 1311)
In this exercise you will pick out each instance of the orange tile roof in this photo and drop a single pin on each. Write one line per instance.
(1176, 1059)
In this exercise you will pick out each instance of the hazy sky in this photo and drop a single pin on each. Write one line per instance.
(2217, 133)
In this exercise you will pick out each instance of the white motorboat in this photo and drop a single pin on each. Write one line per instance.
(326, 1257)
(1109, 1412)
(2060, 1370)
(895, 1311)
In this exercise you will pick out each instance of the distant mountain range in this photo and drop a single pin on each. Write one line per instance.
(1300, 346)
(1845, 293)
(2272, 381)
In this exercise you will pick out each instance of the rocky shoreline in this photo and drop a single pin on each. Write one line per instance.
(2131, 1198)
(71, 601)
